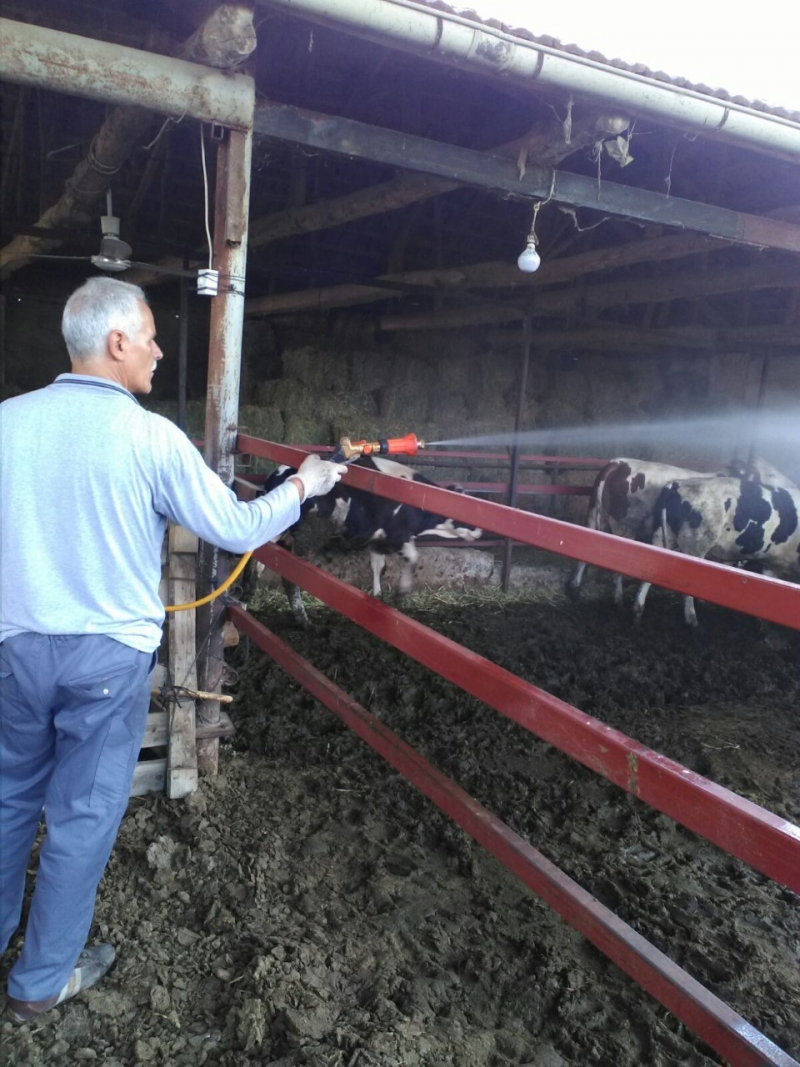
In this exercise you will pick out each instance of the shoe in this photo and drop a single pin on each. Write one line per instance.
(93, 963)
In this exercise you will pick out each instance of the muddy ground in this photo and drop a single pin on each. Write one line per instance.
(308, 907)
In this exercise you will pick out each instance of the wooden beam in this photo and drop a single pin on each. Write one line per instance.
(545, 144)
(775, 275)
(490, 275)
(597, 297)
(779, 274)
(359, 140)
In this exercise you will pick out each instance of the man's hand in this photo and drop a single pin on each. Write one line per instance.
(318, 476)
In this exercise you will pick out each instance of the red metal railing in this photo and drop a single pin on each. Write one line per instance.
(766, 598)
(552, 465)
(708, 1016)
(767, 842)
(524, 489)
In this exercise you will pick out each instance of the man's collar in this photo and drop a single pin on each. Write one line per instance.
(95, 380)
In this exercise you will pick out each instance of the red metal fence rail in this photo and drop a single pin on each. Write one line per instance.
(744, 829)
(766, 598)
(524, 489)
(714, 1021)
(764, 840)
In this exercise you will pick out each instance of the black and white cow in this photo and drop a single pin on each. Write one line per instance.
(735, 520)
(626, 493)
(622, 502)
(384, 526)
(759, 470)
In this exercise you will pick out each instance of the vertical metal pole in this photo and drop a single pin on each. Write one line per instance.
(514, 473)
(222, 404)
(183, 347)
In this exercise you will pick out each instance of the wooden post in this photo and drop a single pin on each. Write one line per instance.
(182, 748)
(222, 406)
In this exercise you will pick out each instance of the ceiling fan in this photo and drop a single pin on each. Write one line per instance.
(114, 256)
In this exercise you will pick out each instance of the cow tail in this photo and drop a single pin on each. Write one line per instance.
(660, 524)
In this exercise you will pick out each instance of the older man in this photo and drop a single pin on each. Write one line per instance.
(89, 481)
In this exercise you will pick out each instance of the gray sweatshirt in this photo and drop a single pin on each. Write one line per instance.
(88, 480)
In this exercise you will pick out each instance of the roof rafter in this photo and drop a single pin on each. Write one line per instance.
(357, 139)
(491, 275)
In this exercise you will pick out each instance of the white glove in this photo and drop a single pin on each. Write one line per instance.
(318, 476)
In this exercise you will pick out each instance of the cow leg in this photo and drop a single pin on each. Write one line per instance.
(410, 554)
(659, 540)
(592, 523)
(574, 585)
(688, 611)
(295, 597)
(638, 604)
(618, 589)
(378, 562)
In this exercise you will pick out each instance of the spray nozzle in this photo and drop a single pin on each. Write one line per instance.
(392, 446)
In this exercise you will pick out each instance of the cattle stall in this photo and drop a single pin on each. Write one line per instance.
(767, 842)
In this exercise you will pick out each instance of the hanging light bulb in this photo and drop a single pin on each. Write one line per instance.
(529, 260)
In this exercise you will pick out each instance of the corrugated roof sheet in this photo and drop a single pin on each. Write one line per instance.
(597, 57)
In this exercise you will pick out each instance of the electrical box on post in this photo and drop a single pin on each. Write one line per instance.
(208, 282)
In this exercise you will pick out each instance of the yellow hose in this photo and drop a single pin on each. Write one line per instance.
(237, 570)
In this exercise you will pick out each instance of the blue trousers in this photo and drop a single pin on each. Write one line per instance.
(73, 711)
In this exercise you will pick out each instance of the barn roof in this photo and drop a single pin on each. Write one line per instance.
(390, 192)
(641, 69)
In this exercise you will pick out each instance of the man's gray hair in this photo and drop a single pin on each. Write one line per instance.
(93, 311)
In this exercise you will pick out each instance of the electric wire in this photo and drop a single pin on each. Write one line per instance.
(205, 197)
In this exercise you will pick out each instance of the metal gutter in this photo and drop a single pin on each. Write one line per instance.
(449, 38)
(67, 63)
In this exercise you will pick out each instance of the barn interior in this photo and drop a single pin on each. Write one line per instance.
(391, 194)
(306, 906)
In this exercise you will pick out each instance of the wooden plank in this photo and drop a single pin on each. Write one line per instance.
(491, 275)
(157, 730)
(359, 140)
(181, 777)
(149, 777)
(773, 275)
(159, 679)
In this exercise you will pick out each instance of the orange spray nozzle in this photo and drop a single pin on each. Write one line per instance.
(404, 446)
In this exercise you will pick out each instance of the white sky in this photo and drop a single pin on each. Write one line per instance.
(751, 50)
